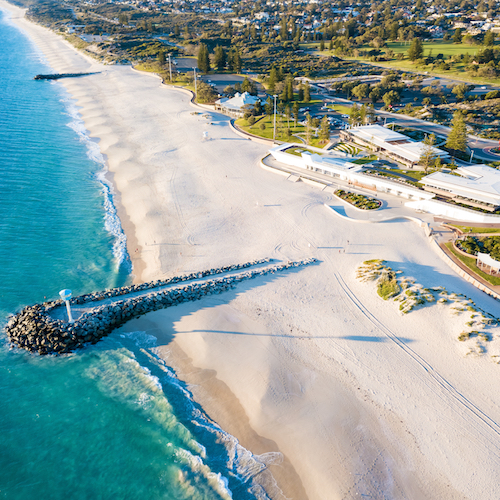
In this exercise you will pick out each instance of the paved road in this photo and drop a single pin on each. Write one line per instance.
(477, 144)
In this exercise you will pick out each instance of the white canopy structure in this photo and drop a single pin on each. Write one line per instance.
(487, 264)
(236, 105)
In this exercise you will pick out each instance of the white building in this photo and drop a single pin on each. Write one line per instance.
(478, 183)
(338, 165)
(237, 105)
(393, 144)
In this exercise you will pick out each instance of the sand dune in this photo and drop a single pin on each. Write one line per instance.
(359, 399)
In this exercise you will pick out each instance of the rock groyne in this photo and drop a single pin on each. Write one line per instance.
(57, 76)
(35, 329)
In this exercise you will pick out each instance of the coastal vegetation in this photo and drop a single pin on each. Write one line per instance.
(392, 285)
(279, 45)
(359, 200)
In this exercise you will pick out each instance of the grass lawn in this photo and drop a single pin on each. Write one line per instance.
(471, 264)
(366, 159)
(467, 229)
(436, 46)
(457, 72)
(267, 133)
(343, 110)
(417, 175)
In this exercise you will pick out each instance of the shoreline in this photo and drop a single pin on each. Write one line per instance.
(306, 363)
(283, 478)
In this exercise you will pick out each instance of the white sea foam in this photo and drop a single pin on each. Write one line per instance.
(217, 481)
(240, 461)
(112, 222)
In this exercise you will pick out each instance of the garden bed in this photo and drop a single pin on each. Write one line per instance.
(359, 200)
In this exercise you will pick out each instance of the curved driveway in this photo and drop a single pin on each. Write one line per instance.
(477, 144)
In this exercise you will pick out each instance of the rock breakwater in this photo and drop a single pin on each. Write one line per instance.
(35, 329)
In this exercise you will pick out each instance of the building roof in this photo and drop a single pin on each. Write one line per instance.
(476, 182)
(238, 101)
(394, 142)
(485, 258)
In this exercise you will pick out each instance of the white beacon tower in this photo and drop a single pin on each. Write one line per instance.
(66, 295)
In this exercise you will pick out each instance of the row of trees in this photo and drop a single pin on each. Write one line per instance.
(221, 59)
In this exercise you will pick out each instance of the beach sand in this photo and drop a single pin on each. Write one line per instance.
(341, 395)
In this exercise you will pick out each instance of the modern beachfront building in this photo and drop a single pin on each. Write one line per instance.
(343, 167)
(474, 185)
(393, 144)
(237, 105)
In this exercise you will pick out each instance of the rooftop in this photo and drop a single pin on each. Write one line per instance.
(476, 181)
(394, 142)
(238, 101)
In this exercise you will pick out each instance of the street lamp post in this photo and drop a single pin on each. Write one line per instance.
(195, 86)
(170, 67)
(471, 155)
(274, 130)
(66, 295)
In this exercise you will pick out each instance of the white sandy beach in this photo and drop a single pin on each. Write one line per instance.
(359, 399)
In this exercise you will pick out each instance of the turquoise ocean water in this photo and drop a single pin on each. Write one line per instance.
(110, 421)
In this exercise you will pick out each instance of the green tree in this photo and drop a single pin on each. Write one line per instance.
(300, 95)
(324, 129)
(220, 58)
(457, 138)
(288, 114)
(203, 59)
(322, 45)
(161, 57)
(307, 92)
(459, 90)
(269, 106)
(237, 63)
(289, 88)
(362, 114)
(271, 81)
(375, 94)
(428, 155)
(416, 50)
(457, 36)
(308, 128)
(177, 31)
(489, 39)
(390, 98)
(295, 112)
(206, 92)
(361, 91)
(249, 86)
(354, 115)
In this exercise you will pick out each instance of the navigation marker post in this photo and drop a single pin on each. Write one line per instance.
(66, 295)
